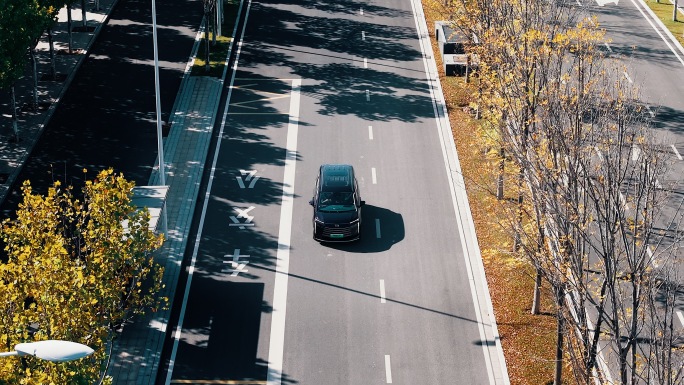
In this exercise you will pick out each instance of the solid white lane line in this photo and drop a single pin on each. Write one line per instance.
(375, 179)
(627, 77)
(191, 269)
(484, 313)
(377, 228)
(382, 291)
(388, 369)
(365, 63)
(679, 156)
(681, 317)
(275, 350)
(370, 134)
(367, 96)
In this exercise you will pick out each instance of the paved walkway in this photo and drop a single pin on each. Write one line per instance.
(31, 124)
(136, 353)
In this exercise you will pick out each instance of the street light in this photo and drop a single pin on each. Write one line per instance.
(51, 350)
(160, 143)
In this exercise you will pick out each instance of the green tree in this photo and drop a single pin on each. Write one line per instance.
(20, 24)
(76, 269)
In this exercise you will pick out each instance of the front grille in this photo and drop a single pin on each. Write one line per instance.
(343, 231)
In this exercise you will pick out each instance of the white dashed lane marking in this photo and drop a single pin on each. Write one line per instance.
(388, 369)
(679, 156)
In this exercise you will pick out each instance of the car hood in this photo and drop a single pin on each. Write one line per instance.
(333, 217)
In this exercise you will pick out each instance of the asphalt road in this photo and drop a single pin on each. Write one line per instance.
(330, 83)
(107, 116)
(655, 66)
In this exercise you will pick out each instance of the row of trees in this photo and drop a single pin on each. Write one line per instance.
(592, 213)
(77, 266)
(22, 23)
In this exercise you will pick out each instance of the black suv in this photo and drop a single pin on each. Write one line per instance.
(337, 204)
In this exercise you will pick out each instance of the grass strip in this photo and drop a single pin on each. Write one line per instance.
(219, 50)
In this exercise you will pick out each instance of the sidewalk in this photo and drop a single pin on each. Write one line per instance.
(137, 351)
(135, 359)
(31, 124)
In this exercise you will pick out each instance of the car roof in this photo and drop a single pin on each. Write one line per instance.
(337, 178)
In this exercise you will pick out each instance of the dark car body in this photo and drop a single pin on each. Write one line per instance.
(336, 204)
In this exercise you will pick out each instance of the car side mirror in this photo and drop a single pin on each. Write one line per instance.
(363, 203)
(311, 202)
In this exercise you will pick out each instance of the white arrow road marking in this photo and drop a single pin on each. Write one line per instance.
(235, 264)
(242, 214)
(250, 177)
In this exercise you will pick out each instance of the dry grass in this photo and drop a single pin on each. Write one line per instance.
(528, 340)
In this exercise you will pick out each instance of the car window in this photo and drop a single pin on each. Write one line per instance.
(336, 200)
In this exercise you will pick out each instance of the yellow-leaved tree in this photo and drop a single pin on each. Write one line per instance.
(75, 268)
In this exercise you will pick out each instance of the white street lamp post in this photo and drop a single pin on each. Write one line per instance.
(51, 350)
(160, 143)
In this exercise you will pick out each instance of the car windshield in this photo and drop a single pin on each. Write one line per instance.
(336, 201)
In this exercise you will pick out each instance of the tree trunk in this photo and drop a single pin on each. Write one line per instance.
(558, 372)
(213, 27)
(219, 18)
(521, 184)
(674, 11)
(53, 64)
(15, 125)
(536, 300)
(468, 63)
(69, 22)
(500, 179)
(34, 67)
(83, 14)
(206, 42)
